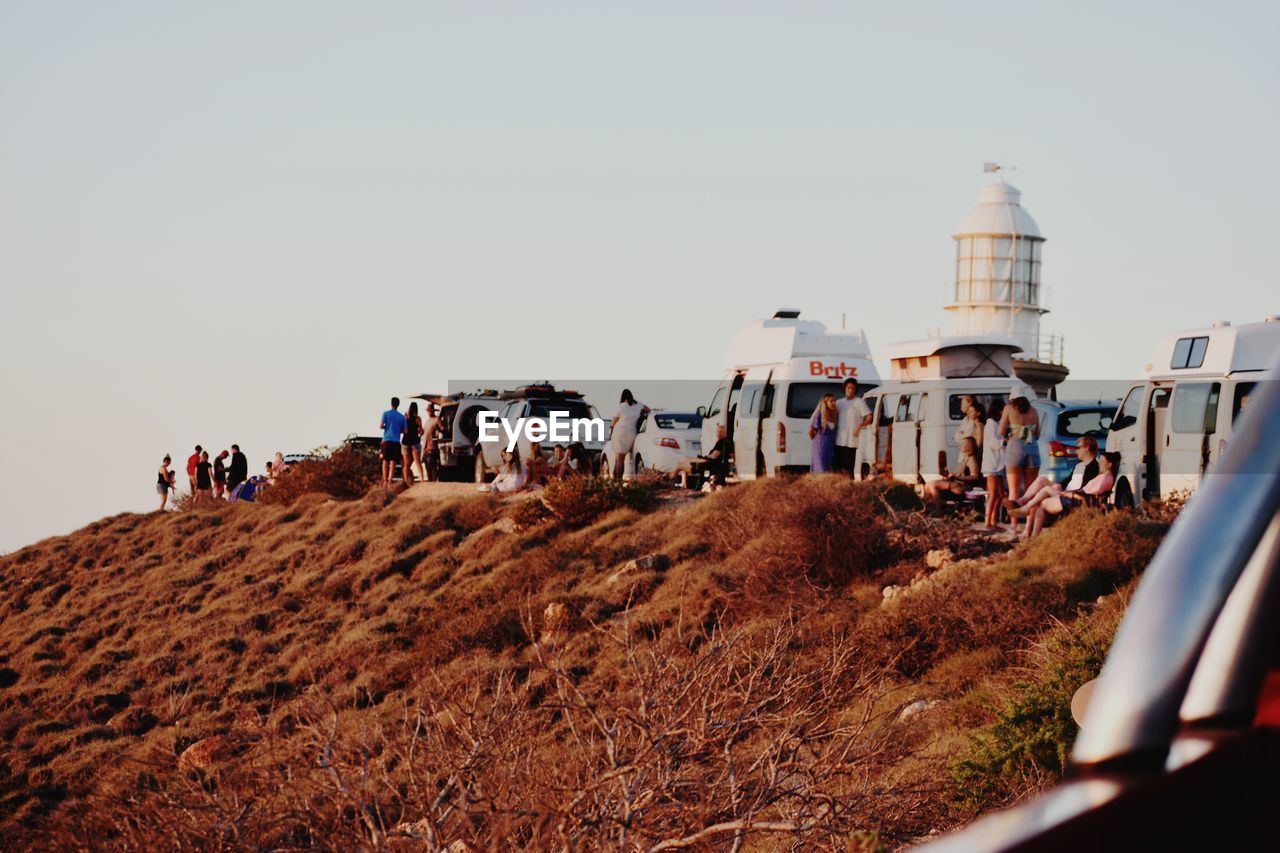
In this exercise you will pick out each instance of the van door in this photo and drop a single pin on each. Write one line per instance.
(1189, 432)
(905, 444)
(746, 431)
(713, 418)
(1123, 438)
(887, 411)
(1157, 412)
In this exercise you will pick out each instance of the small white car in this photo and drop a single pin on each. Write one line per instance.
(662, 441)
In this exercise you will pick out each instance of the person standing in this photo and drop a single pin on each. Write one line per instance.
(238, 470)
(623, 429)
(220, 476)
(392, 425)
(993, 463)
(192, 461)
(853, 416)
(164, 481)
(204, 479)
(1020, 425)
(822, 433)
(430, 432)
(411, 444)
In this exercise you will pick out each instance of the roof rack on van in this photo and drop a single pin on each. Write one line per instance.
(786, 314)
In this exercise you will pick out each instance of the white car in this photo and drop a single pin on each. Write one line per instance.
(663, 440)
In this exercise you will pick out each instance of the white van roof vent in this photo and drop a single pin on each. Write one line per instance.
(1218, 324)
(786, 314)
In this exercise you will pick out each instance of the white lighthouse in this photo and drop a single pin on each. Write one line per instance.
(997, 286)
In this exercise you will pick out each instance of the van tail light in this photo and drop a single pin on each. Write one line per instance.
(1059, 450)
(782, 438)
(669, 442)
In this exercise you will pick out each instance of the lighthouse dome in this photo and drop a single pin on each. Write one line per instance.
(999, 211)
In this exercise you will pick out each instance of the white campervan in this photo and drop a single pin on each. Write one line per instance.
(918, 410)
(778, 371)
(1176, 423)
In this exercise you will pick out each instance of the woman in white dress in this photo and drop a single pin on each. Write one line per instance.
(993, 462)
(625, 425)
(512, 476)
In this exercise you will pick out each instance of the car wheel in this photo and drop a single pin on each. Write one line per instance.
(480, 471)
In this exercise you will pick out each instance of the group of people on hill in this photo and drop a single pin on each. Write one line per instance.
(410, 439)
(209, 481)
(999, 448)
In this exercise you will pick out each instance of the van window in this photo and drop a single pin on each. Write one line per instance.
(1189, 353)
(1195, 407)
(750, 396)
(713, 408)
(1240, 401)
(1128, 415)
(908, 407)
(803, 397)
(766, 401)
(888, 408)
(955, 413)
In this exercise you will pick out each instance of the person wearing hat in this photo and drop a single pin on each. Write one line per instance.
(1020, 427)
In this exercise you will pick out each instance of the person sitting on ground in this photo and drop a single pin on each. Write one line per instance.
(281, 467)
(536, 465)
(512, 476)
(1042, 487)
(575, 461)
(270, 476)
(1058, 503)
(953, 486)
(556, 460)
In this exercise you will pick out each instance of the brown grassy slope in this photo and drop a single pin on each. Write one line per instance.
(372, 663)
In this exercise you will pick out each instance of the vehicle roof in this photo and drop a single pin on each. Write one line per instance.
(1250, 347)
(932, 346)
(996, 384)
(780, 339)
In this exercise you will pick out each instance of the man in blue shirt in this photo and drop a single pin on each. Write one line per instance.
(393, 425)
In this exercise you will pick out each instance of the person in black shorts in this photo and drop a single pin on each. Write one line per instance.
(204, 478)
(220, 475)
(411, 443)
(392, 426)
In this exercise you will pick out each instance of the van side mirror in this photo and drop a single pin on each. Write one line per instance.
(702, 411)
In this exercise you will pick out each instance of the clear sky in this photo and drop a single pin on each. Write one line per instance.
(255, 221)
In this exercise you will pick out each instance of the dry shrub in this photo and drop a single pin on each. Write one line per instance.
(345, 474)
(1086, 555)
(580, 500)
(529, 513)
(823, 529)
(735, 744)
(472, 513)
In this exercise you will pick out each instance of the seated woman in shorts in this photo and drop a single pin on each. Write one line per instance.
(1059, 502)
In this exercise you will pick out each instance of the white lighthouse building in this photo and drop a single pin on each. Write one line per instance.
(997, 288)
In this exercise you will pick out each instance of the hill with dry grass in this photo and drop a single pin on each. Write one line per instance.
(793, 662)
